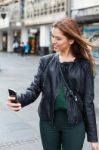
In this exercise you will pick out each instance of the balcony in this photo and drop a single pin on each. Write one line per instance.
(86, 14)
(46, 8)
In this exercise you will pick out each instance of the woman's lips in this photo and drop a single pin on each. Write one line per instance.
(55, 47)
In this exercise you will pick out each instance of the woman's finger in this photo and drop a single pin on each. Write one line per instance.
(11, 103)
(15, 108)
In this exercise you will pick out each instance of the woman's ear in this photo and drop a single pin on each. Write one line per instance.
(71, 42)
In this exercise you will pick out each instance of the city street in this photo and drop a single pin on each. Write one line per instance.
(20, 130)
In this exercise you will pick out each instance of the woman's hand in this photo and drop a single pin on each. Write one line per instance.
(11, 103)
(95, 146)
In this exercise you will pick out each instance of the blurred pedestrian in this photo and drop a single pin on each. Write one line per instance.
(26, 48)
(66, 81)
(15, 46)
(22, 48)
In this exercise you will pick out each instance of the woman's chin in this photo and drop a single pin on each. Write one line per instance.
(55, 50)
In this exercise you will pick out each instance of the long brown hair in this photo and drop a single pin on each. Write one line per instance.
(81, 48)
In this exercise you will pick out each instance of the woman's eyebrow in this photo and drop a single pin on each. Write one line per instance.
(55, 36)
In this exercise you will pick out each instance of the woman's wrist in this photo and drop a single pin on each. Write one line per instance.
(95, 145)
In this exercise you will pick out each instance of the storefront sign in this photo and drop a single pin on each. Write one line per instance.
(91, 29)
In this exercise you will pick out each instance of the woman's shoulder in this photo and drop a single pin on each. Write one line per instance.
(84, 61)
(85, 64)
(47, 58)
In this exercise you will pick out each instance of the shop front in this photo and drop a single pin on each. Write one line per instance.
(33, 40)
(91, 31)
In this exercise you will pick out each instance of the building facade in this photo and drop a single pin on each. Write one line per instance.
(30, 20)
(10, 23)
(38, 17)
(87, 15)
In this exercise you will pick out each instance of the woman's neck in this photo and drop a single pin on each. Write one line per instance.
(66, 57)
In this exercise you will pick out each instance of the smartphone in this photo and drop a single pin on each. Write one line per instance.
(12, 93)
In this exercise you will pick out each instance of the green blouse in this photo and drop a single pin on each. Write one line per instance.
(60, 102)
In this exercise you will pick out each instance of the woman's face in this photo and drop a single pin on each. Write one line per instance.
(60, 43)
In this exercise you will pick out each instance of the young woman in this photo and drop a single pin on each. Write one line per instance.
(66, 81)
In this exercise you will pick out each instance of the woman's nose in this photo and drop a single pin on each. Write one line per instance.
(54, 41)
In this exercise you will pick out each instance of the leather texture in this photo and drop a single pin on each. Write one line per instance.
(48, 80)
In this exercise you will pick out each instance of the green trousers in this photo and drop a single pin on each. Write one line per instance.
(61, 135)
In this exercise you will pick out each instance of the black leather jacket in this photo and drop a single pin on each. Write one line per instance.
(48, 79)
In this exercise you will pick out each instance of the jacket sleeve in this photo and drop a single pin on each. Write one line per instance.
(34, 90)
(90, 117)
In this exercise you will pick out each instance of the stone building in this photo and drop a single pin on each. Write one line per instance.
(30, 20)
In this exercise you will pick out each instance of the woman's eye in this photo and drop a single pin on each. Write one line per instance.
(52, 36)
(58, 39)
